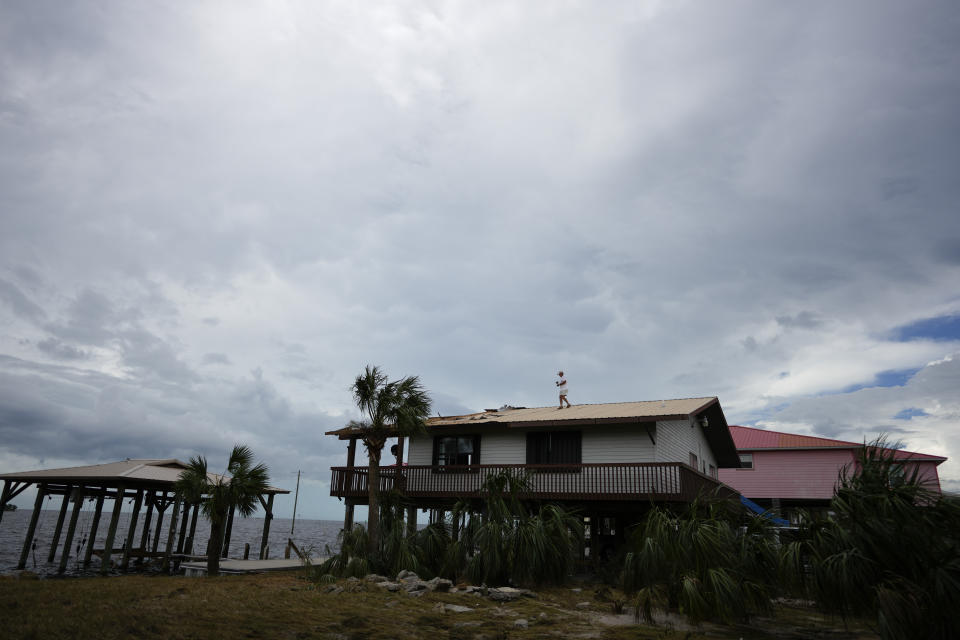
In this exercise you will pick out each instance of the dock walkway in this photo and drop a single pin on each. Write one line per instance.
(247, 566)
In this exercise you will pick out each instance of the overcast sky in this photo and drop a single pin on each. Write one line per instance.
(213, 215)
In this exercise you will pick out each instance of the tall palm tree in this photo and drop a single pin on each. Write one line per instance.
(240, 488)
(396, 408)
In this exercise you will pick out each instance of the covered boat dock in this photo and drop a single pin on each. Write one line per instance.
(148, 483)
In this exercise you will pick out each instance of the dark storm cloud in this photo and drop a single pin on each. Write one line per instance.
(661, 199)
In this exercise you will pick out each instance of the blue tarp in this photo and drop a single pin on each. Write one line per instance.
(753, 506)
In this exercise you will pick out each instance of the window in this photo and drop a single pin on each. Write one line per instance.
(746, 461)
(553, 447)
(713, 471)
(456, 450)
(694, 460)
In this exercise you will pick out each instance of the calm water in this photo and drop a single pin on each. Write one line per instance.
(308, 535)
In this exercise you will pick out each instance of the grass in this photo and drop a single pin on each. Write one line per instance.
(284, 605)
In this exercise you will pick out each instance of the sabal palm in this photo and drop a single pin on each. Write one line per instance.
(390, 408)
(239, 488)
(891, 547)
(701, 562)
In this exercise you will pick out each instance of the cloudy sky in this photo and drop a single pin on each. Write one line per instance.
(212, 216)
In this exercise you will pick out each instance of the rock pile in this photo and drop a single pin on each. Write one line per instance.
(411, 583)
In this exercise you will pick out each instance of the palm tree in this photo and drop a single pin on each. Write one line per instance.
(396, 408)
(239, 488)
(891, 548)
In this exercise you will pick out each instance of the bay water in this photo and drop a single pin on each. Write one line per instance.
(311, 537)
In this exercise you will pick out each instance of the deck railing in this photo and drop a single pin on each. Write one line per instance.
(661, 481)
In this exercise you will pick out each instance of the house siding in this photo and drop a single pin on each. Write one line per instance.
(676, 440)
(802, 475)
(622, 444)
(508, 446)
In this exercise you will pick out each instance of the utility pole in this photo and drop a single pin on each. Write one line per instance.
(295, 496)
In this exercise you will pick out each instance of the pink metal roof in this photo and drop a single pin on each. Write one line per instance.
(749, 439)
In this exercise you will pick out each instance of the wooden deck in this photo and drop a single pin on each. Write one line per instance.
(661, 482)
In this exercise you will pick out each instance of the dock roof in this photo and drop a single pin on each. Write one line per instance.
(147, 472)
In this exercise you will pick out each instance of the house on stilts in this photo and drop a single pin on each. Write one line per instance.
(148, 483)
(608, 461)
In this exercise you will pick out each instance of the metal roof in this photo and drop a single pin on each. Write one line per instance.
(578, 414)
(751, 438)
(134, 471)
(583, 415)
(648, 410)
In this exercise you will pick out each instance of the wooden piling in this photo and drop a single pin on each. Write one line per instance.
(181, 541)
(411, 521)
(348, 514)
(131, 532)
(59, 528)
(71, 528)
(32, 527)
(225, 547)
(193, 528)
(94, 525)
(149, 498)
(171, 536)
(267, 517)
(106, 559)
(161, 505)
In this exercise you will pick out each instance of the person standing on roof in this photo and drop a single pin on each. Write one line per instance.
(562, 385)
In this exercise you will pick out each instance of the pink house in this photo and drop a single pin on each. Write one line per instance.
(785, 472)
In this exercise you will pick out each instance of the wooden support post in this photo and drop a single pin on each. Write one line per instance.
(225, 548)
(595, 540)
(106, 559)
(246, 551)
(411, 521)
(128, 547)
(71, 528)
(92, 534)
(193, 528)
(348, 515)
(5, 497)
(352, 452)
(32, 528)
(171, 536)
(399, 456)
(267, 517)
(150, 498)
(59, 528)
(183, 527)
(161, 504)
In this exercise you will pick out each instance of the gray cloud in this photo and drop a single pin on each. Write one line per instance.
(662, 200)
(19, 303)
(802, 320)
(57, 349)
